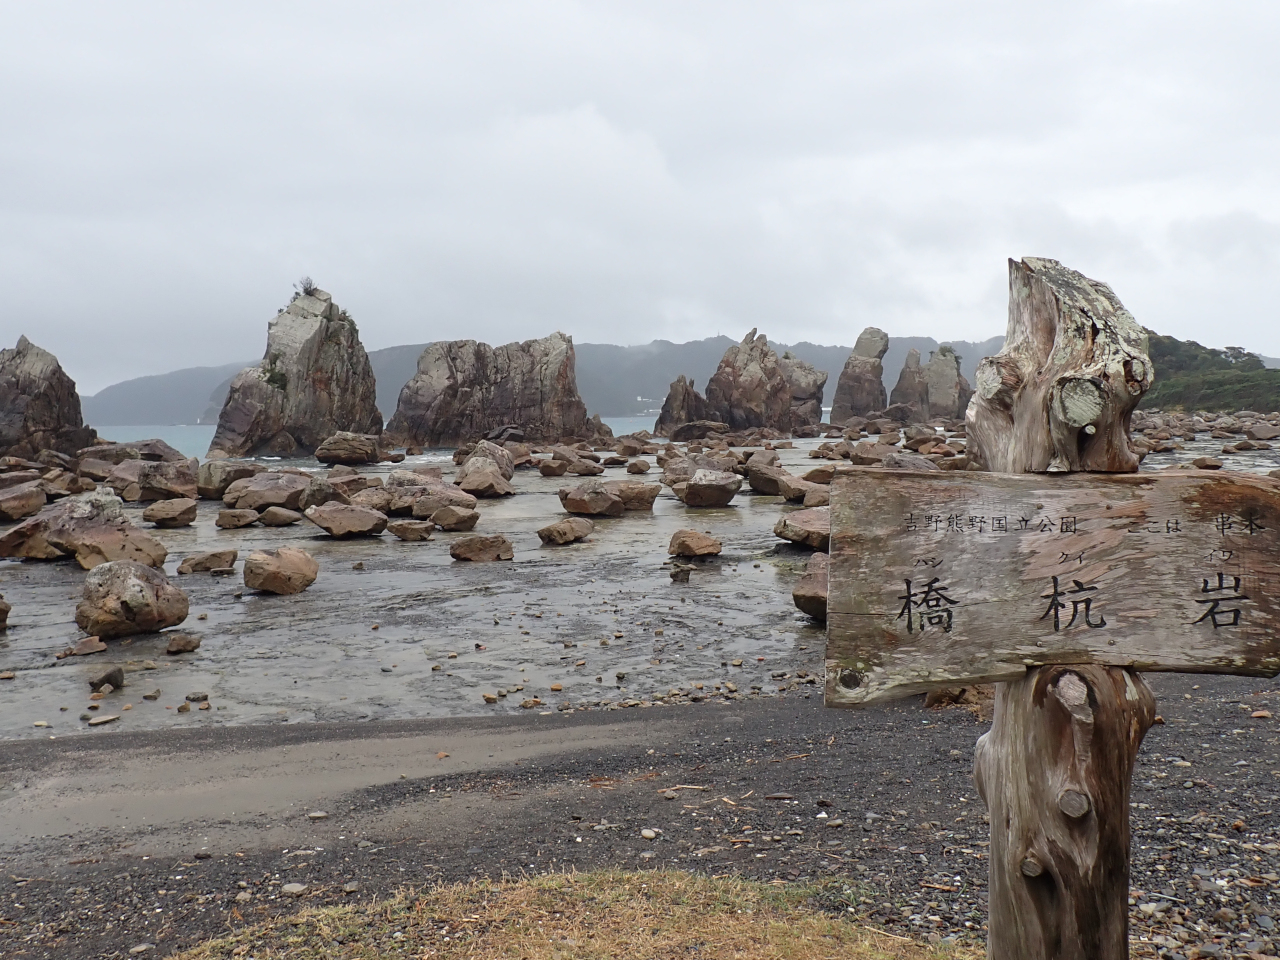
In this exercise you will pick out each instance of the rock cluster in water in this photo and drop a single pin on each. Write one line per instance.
(463, 389)
(314, 381)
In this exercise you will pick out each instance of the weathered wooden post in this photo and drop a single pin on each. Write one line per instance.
(1059, 575)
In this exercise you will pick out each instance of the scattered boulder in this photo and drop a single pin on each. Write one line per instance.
(182, 643)
(267, 490)
(808, 528)
(482, 477)
(5, 610)
(435, 494)
(414, 531)
(912, 388)
(22, 500)
(39, 406)
(1262, 431)
(764, 478)
(638, 466)
(552, 467)
(235, 519)
(342, 520)
(693, 543)
(278, 517)
(793, 488)
(454, 518)
(204, 562)
(591, 498)
(501, 457)
(113, 678)
(372, 498)
(171, 513)
(903, 460)
(697, 430)
(314, 381)
(634, 494)
(860, 389)
(810, 592)
(214, 476)
(463, 389)
(90, 527)
(566, 530)
(481, 548)
(156, 480)
(122, 598)
(708, 488)
(284, 571)
(348, 448)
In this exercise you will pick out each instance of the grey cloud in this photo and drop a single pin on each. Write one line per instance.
(625, 171)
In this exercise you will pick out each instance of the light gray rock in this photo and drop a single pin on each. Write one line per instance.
(122, 598)
(314, 380)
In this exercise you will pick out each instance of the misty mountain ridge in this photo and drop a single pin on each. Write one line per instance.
(614, 381)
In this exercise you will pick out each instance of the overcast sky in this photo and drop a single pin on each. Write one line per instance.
(625, 172)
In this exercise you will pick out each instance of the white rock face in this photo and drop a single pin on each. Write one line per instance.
(314, 381)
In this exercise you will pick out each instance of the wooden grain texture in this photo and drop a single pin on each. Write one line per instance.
(1060, 395)
(1054, 772)
(944, 579)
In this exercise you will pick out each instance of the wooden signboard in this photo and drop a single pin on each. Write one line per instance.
(943, 579)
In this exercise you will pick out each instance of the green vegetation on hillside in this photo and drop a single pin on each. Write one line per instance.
(1192, 377)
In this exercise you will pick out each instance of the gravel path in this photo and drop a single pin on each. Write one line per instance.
(879, 805)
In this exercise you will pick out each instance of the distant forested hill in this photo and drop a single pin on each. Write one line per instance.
(165, 398)
(1192, 377)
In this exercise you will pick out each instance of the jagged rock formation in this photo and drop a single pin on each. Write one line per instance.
(39, 406)
(949, 391)
(806, 382)
(860, 389)
(464, 389)
(313, 381)
(684, 404)
(912, 387)
(748, 389)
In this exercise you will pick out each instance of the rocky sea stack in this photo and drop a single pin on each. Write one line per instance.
(39, 406)
(314, 381)
(752, 388)
(464, 390)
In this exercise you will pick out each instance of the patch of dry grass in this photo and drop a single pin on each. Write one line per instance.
(584, 916)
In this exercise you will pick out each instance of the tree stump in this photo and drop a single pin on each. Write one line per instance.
(1054, 772)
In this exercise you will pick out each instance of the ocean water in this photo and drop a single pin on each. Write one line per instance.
(193, 440)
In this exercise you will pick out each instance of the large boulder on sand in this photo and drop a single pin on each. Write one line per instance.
(453, 518)
(566, 530)
(860, 389)
(148, 480)
(810, 591)
(39, 406)
(464, 389)
(347, 520)
(122, 598)
(487, 472)
(693, 543)
(478, 548)
(349, 448)
(284, 571)
(634, 494)
(414, 531)
(314, 380)
(500, 457)
(591, 498)
(708, 488)
(89, 527)
(204, 562)
(807, 528)
(168, 514)
(432, 495)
